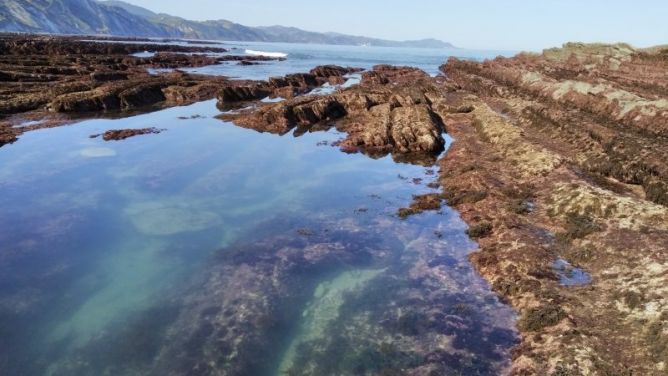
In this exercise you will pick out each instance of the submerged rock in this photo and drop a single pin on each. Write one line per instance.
(421, 203)
(164, 219)
(122, 134)
(323, 310)
(290, 303)
(100, 152)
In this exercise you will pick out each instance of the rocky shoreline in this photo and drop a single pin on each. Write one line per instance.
(45, 79)
(558, 166)
(570, 148)
(558, 159)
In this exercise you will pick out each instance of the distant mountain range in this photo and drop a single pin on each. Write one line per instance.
(122, 19)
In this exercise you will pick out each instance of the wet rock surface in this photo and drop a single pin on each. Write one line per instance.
(122, 134)
(569, 149)
(378, 118)
(42, 76)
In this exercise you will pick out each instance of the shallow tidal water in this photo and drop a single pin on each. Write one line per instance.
(212, 249)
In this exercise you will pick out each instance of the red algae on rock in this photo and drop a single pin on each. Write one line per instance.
(122, 134)
(568, 146)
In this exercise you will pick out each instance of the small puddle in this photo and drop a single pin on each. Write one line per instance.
(144, 54)
(570, 275)
(272, 100)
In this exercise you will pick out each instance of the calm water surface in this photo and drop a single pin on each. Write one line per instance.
(210, 249)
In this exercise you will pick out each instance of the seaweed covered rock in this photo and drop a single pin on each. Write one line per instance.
(122, 134)
(58, 74)
(568, 148)
(240, 93)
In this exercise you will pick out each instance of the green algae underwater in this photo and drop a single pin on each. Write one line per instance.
(210, 249)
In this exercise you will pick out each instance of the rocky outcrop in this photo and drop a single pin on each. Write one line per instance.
(382, 120)
(74, 75)
(608, 101)
(288, 86)
(384, 74)
(43, 76)
(242, 93)
(174, 88)
(301, 83)
(326, 71)
(561, 159)
(68, 75)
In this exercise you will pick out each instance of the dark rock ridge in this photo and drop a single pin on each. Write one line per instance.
(563, 158)
(378, 118)
(90, 17)
(288, 86)
(67, 75)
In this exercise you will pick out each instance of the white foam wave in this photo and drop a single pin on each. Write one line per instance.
(263, 53)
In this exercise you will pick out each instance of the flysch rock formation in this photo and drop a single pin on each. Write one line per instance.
(43, 76)
(391, 111)
(558, 159)
(570, 149)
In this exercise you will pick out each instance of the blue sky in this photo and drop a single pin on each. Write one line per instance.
(484, 24)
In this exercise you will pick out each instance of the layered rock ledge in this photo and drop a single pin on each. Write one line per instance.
(391, 111)
(42, 74)
(569, 148)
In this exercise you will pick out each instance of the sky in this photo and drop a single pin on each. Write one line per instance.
(479, 24)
